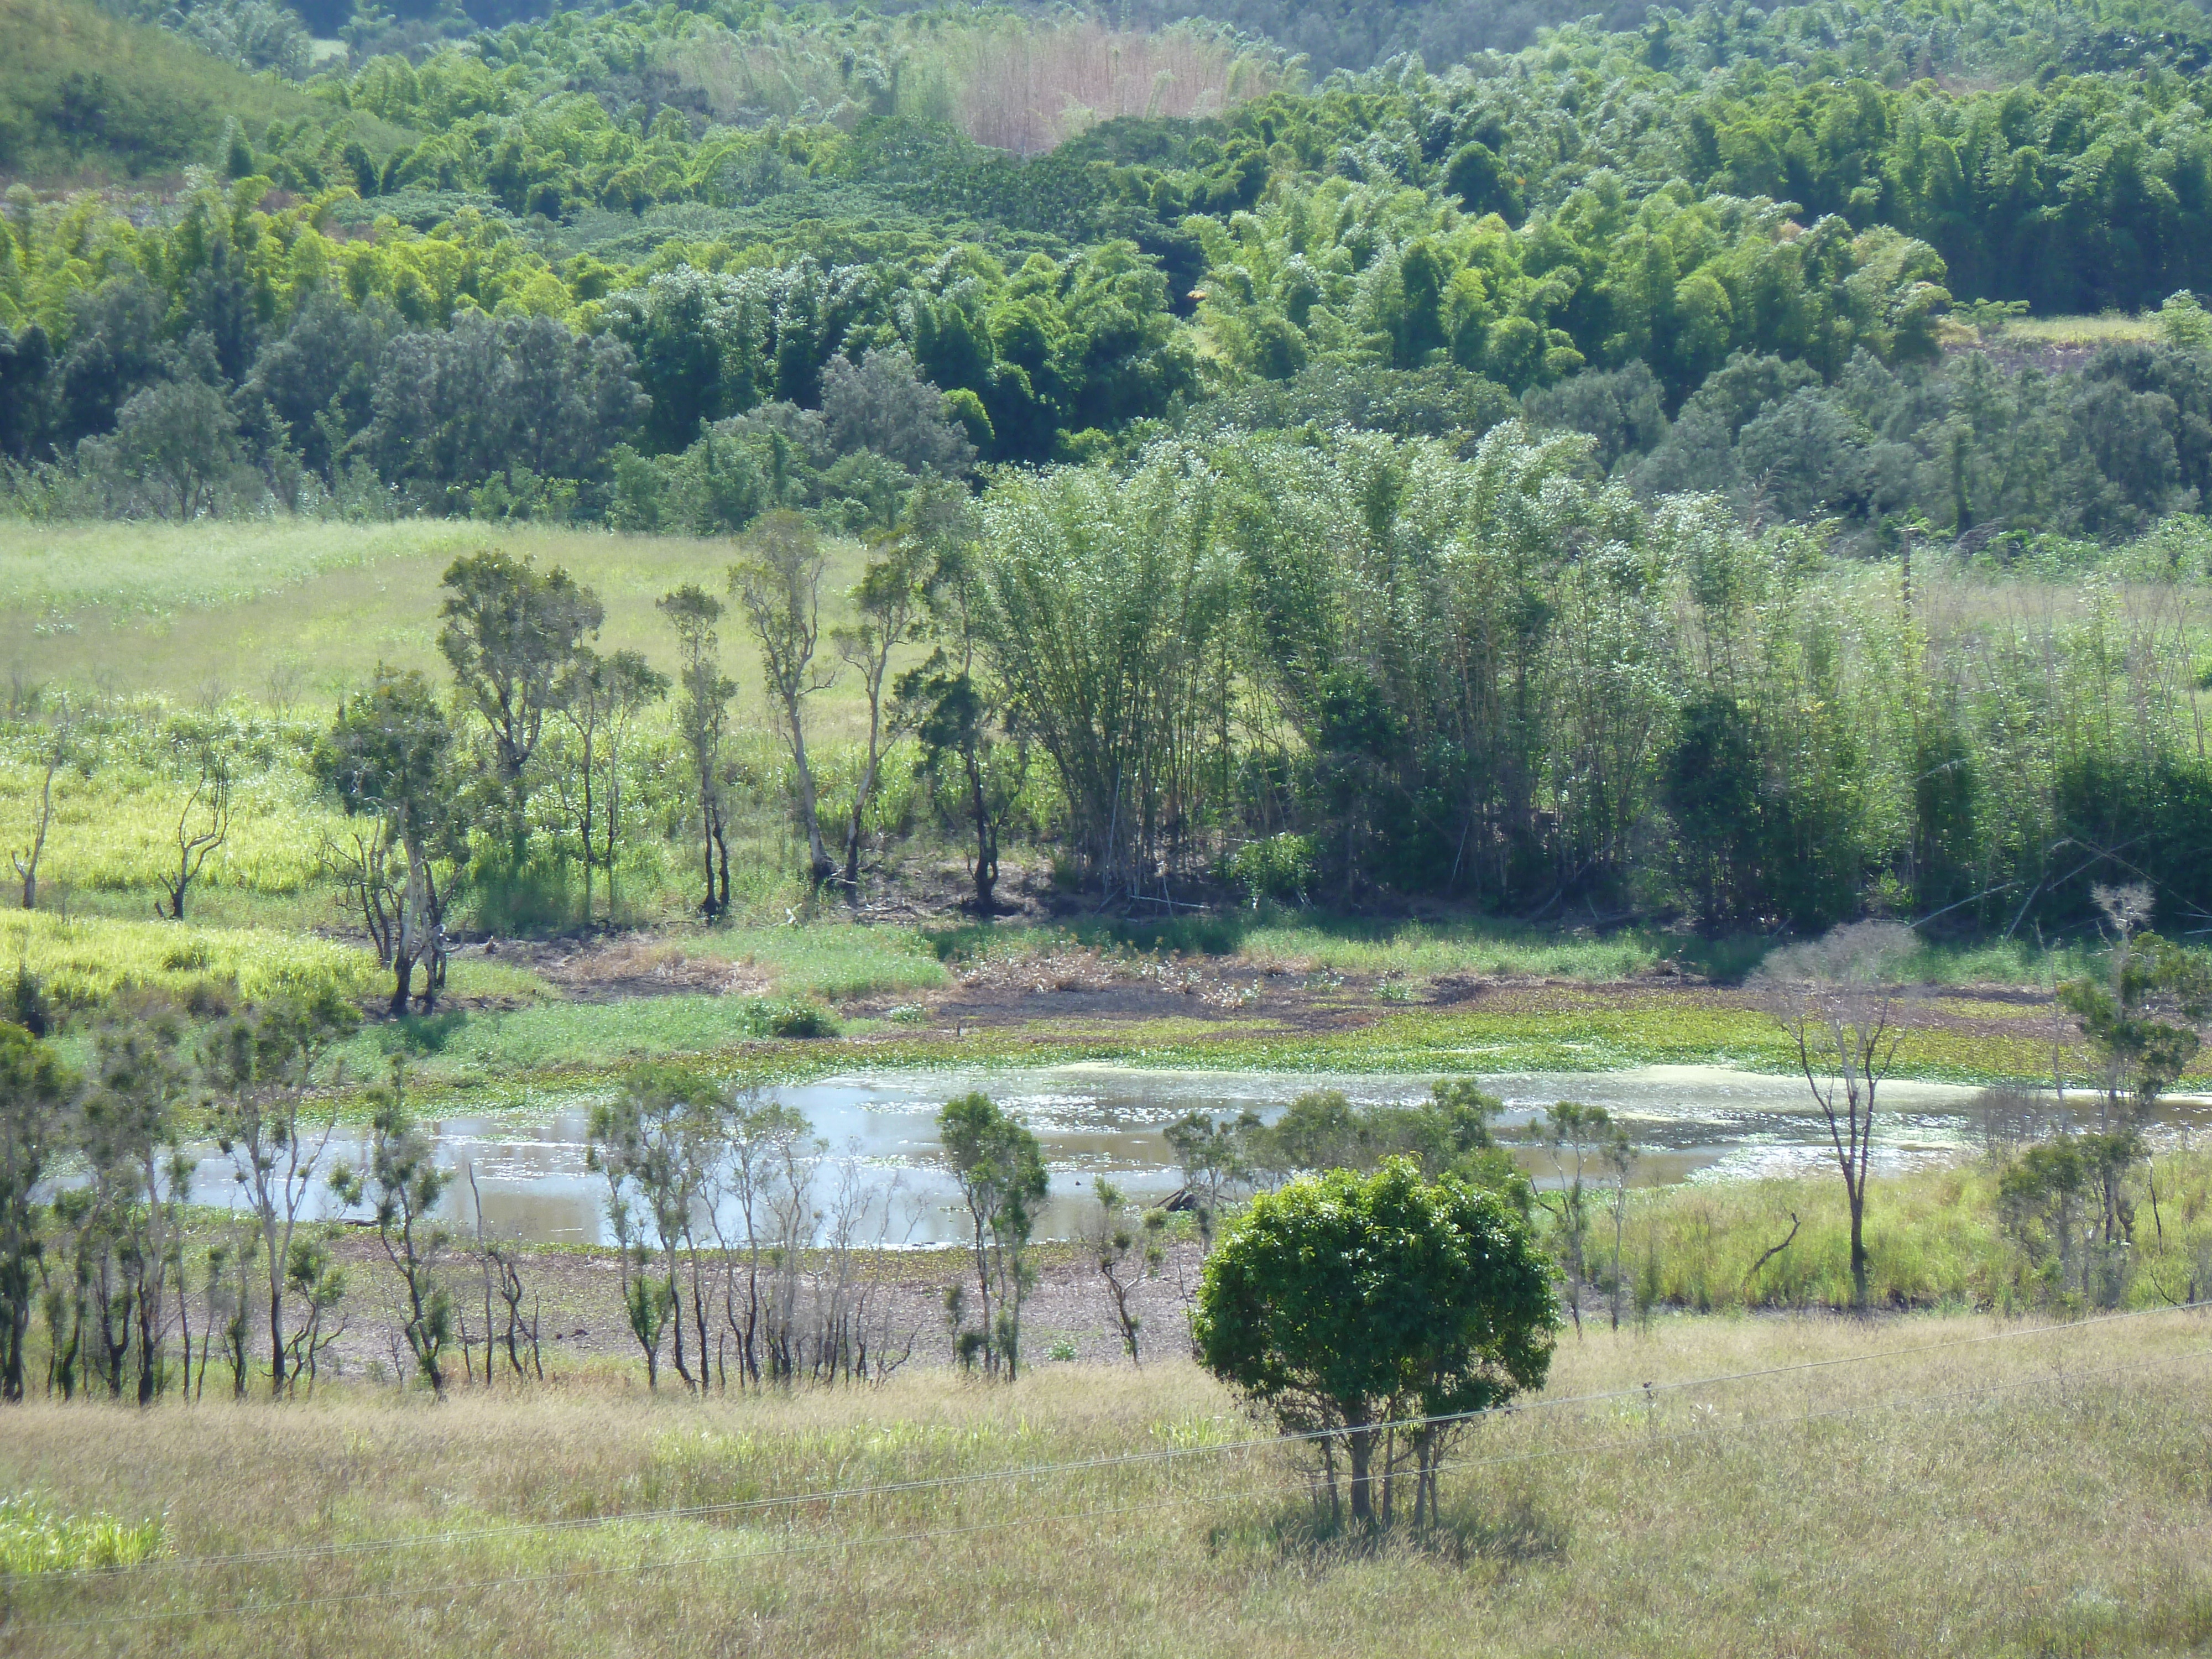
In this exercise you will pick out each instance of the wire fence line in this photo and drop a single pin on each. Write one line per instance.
(1936, 1399)
(1034, 1471)
(1707, 1432)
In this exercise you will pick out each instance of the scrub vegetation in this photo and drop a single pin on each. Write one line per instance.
(656, 554)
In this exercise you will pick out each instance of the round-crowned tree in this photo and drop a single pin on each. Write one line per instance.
(1363, 1308)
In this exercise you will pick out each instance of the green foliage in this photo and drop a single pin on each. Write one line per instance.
(402, 1183)
(81, 86)
(999, 1168)
(35, 1538)
(1341, 1302)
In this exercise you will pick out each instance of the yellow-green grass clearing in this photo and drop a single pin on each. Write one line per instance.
(2105, 328)
(296, 610)
(1930, 1485)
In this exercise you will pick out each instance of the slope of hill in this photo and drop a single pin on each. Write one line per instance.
(83, 93)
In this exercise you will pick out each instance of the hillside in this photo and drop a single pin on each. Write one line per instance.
(83, 93)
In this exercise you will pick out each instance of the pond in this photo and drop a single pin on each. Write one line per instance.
(1695, 1123)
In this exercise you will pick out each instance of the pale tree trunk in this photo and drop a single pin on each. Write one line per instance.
(818, 857)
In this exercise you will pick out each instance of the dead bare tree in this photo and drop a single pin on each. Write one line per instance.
(1125, 1257)
(1838, 1001)
(54, 753)
(201, 828)
(361, 865)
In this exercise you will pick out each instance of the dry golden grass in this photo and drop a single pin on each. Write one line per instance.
(2043, 1492)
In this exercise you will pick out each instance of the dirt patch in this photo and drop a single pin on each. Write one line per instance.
(633, 965)
(577, 1295)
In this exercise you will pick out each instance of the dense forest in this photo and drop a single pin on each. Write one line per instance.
(1590, 473)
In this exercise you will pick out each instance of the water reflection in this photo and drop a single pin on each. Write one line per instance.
(1696, 1123)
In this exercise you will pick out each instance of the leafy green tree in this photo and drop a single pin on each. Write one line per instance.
(273, 1117)
(387, 756)
(456, 408)
(881, 406)
(2142, 1021)
(117, 345)
(177, 440)
(1001, 1170)
(1362, 1309)
(314, 381)
(511, 634)
(702, 714)
(1104, 597)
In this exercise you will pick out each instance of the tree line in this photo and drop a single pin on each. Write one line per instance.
(744, 1243)
(341, 332)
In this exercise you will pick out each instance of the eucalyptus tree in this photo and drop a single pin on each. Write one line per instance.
(386, 756)
(781, 588)
(1574, 1135)
(961, 715)
(203, 825)
(266, 1071)
(999, 1168)
(600, 699)
(652, 1143)
(36, 1090)
(511, 633)
(402, 1183)
(1618, 1155)
(888, 599)
(56, 751)
(133, 1142)
(702, 715)
(756, 1195)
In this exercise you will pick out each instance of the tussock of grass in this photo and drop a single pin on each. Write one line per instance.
(835, 961)
(2039, 1493)
(34, 1539)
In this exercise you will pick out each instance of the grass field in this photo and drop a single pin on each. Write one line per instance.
(1708, 1487)
(294, 612)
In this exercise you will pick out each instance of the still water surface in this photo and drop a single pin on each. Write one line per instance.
(1694, 1123)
